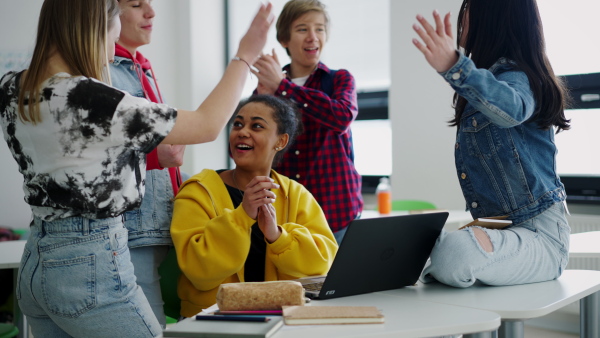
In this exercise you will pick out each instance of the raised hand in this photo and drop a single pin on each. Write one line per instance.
(267, 222)
(170, 155)
(438, 47)
(257, 194)
(255, 39)
(269, 73)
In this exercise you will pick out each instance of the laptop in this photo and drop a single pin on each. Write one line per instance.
(378, 254)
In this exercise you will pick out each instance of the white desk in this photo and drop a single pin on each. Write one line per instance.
(517, 303)
(403, 318)
(585, 245)
(10, 258)
(456, 218)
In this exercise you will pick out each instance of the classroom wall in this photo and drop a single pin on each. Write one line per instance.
(420, 106)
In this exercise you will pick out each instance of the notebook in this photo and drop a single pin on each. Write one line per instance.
(190, 327)
(378, 254)
(319, 315)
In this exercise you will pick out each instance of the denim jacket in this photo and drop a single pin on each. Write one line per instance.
(506, 164)
(150, 224)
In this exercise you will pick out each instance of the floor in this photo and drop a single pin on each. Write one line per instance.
(534, 332)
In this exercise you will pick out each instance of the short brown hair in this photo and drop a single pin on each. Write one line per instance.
(294, 9)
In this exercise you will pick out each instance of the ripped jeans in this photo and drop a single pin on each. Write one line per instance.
(536, 250)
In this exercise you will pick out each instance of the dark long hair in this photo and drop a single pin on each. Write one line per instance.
(513, 29)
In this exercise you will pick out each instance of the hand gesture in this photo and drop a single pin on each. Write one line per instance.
(257, 194)
(439, 47)
(267, 222)
(269, 73)
(170, 155)
(255, 39)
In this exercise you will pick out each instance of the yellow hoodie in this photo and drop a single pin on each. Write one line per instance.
(212, 239)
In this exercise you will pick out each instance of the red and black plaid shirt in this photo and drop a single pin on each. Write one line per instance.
(322, 158)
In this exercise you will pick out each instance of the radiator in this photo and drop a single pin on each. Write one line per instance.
(582, 223)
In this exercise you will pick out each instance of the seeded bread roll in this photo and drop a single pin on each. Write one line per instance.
(259, 295)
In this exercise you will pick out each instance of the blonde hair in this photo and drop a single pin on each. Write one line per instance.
(76, 30)
(294, 9)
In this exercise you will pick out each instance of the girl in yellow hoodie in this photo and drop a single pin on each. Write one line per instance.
(250, 223)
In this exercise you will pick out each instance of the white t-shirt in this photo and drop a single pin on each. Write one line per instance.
(87, 155)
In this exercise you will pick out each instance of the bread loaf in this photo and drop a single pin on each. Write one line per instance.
(259, 295)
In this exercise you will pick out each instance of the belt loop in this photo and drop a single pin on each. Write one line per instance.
(85, 226)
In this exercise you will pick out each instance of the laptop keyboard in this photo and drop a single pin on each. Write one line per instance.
(313, 286)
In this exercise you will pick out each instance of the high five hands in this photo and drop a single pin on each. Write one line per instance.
(268, 73)
(438, 43)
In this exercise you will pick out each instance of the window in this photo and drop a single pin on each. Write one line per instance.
(568, 29)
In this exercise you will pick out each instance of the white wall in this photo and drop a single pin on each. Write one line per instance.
(420, 106)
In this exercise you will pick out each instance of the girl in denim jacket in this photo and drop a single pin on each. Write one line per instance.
(508, 103)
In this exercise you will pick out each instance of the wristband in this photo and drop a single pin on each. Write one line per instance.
(237, 58)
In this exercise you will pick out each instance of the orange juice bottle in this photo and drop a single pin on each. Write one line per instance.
(384, 196)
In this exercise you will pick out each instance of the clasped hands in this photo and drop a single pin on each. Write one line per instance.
(258, 204)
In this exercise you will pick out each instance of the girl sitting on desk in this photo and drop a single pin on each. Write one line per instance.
(249, 224)
(508, 106)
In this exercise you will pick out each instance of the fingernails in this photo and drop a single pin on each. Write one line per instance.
(416, 27)
(276, 185)
(419, 16)
(435, 12)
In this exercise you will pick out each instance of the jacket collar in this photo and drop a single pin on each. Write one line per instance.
(320, 68)
(213, 182)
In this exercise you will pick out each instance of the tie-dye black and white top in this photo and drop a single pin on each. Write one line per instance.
(87, 155)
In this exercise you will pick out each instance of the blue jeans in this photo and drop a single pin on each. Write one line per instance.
(536, 250)
(76, 280)
(146, 260)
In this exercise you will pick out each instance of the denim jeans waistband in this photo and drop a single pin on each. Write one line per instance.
(76, 224)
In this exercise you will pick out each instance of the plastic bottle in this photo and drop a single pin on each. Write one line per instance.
(384, 196)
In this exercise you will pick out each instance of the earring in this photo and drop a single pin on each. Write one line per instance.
(278, 148)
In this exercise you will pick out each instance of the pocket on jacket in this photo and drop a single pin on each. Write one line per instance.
(69, 285)
(479, 136)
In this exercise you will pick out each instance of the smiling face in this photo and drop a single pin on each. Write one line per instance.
(308, 36)
(254, 137)
(136, 20)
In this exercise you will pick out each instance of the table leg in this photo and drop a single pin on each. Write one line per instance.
(512, 329)
(588, 316)
(19, 317)
(489, 334)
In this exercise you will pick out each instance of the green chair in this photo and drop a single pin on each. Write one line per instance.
(169, 275)
(407, 205)
(8, 330)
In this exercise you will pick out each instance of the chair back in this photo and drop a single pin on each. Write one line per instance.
(407, 205)
(8, 330)
(169, 275)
